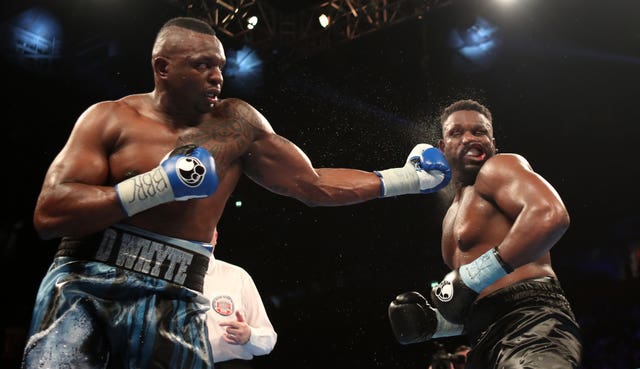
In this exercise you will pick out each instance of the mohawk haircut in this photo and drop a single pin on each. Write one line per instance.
(193, 24)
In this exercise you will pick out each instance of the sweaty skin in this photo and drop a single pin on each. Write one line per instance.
(115, 140)
(499, 201)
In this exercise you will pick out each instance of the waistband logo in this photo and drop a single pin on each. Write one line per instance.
(145, 256)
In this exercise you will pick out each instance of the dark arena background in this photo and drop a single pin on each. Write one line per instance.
(562, 78)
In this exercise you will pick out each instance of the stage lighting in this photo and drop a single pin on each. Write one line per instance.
(36, 37)
(252, 21)
(324, 20)
(476, 44)
(244, 69)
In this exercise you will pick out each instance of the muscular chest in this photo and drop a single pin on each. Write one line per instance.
(143, 144)
(467, 223)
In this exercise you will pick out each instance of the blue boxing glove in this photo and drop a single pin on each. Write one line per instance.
(187, 172)
(425, 171)
(460, 288)
(413, 320)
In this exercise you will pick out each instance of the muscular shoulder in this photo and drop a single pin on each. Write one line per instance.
(503, 164)
(113, 110)
(499, 170)
(243, 112)
(102, 119)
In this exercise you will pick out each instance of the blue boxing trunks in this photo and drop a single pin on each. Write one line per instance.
(123, 298)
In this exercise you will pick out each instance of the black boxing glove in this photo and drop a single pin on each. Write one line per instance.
(460, 288)
(413, 320)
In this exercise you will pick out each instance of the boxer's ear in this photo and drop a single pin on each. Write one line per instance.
(160, 66)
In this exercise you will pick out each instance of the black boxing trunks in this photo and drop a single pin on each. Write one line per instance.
(529, 324)
(123, 298)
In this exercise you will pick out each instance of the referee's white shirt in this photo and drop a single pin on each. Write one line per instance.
(230, 288)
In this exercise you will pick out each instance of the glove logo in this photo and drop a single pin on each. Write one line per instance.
(191, 171)
(444, 291)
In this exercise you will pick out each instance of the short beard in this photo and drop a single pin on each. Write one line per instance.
(467, 176)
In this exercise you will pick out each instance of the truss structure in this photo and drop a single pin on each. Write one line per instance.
(299, 33)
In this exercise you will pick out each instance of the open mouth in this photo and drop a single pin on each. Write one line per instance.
(475, 152)
(212, 97)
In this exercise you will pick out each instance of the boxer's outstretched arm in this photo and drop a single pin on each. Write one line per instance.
(283, 168)
(279, 165)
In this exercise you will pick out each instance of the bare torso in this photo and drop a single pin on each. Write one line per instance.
(140, 139)
(116, 140)
(474, 224)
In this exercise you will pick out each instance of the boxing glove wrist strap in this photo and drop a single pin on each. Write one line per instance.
(399, 181)
(485, 270)
(445, 328)
(144, 191)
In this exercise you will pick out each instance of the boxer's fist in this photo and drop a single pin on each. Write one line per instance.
(453, 298)
(191, 172)
(413, 320)
(425, 171)
(185, 173)
(435, 173)
(460, 288)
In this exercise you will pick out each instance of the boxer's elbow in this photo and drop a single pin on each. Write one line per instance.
(554, 218)
(46, 226)
(47, 220)
(560, 217)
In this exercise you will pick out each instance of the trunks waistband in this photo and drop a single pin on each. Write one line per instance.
(544, 291)
(174, 260)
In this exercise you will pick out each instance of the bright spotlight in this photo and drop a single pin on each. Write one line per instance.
(244, 68)
(477, 43)
(324, 20)
(37, 36)
(252, 21)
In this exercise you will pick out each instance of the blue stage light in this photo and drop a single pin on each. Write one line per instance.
(36, 34)
(477, 43)
(244, 68)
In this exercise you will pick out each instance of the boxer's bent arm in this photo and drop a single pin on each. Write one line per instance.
(539, 215)
(73, 200)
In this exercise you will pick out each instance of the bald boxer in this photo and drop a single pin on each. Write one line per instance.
(496, 237)
(135, 194)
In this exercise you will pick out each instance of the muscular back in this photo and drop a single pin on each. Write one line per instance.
(499, 209)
